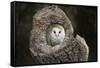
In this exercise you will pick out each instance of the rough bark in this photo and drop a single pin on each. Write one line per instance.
(71, 50)
(74, 51)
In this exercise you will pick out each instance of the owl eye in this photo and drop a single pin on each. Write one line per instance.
(59, 31)
(54, 31)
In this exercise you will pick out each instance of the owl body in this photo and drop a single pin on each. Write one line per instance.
(55, 34)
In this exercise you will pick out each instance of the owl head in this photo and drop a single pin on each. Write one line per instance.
(55, 34)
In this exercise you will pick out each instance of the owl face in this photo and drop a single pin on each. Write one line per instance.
(57, 35)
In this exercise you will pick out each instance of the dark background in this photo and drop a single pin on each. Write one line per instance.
(84, 21)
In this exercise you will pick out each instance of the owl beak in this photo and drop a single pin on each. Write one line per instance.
(57, 35)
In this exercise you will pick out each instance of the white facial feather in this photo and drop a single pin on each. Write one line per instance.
(57, 35)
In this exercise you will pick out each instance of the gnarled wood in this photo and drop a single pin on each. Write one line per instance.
(71, 50)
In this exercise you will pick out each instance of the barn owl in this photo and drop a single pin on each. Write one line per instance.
(55, 34)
